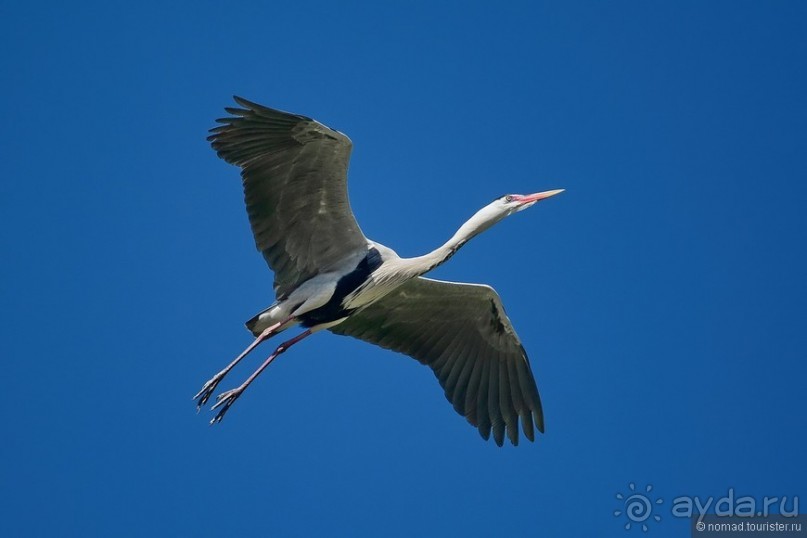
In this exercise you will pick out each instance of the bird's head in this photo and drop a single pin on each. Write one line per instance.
(498, 209)
(513, 203)
(506, 205)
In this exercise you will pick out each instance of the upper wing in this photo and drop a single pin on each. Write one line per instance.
(294, 171)
(463, 334)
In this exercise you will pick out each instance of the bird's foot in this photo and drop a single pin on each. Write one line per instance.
(224, 401)
(207, 391)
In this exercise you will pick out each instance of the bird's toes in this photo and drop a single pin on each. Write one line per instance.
(207, 391)
(224, 401)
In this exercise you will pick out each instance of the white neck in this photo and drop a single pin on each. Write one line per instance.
(481, 221)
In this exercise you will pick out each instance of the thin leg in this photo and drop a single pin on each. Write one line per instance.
(207, 390)
(226, 399)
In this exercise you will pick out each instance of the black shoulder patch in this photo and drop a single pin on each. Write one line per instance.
(332, 310)
(372, 260)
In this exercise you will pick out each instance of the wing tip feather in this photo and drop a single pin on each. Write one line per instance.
(498, 434)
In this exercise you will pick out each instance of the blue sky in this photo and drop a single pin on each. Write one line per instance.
(661, 298)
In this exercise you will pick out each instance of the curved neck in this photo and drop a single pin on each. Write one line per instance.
(477, 224)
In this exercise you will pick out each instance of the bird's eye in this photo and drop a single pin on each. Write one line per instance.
(508, 198)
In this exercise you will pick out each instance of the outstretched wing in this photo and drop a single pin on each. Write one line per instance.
(294, 171)
(462, 332)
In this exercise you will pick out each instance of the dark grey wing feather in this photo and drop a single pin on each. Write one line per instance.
(462, 332)
(294, 171)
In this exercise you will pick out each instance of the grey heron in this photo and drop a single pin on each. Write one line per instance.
(328, 275)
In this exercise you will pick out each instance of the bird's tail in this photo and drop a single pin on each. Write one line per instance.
(260, 321)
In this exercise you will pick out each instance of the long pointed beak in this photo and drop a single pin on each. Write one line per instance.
(532, 198)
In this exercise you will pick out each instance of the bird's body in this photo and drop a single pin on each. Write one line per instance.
(328, 275)
(331, 297)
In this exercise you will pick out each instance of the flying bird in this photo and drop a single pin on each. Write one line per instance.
(328, 275)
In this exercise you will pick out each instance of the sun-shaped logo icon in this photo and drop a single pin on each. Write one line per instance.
(638, 507)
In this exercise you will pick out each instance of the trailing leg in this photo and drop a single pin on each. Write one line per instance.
(226, 399)
(207, 390)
